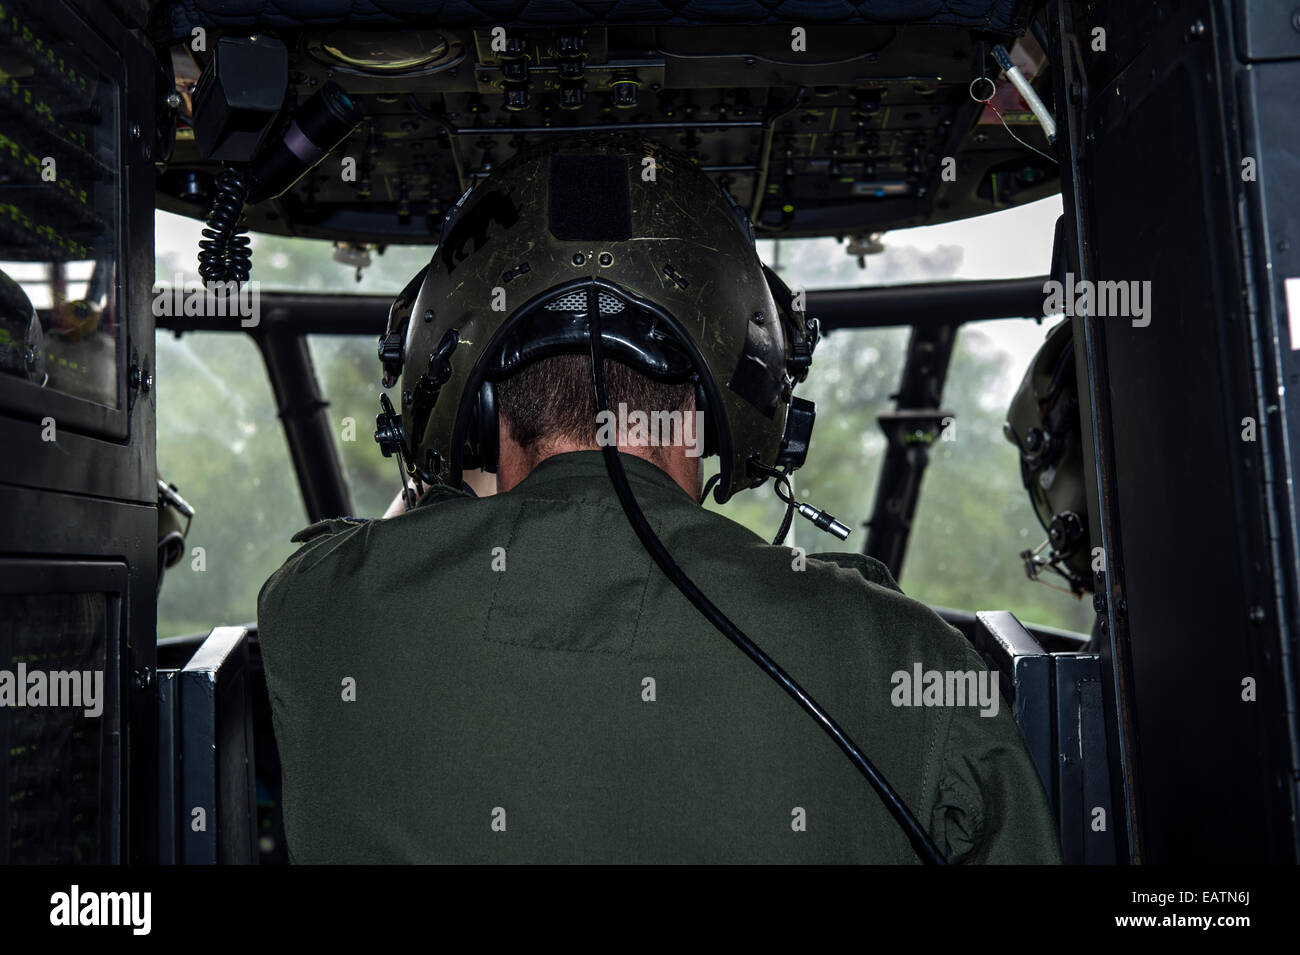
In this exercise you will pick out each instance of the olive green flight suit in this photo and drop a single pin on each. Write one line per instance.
(511, 679)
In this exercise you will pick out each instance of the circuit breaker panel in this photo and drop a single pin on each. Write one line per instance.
(78, 484)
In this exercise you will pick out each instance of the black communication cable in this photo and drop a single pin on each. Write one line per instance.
(920, 839)
(782, 481)
(224, 251)
(704, 495)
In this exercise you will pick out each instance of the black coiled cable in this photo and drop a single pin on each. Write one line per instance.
(224, 254)
(916, 833)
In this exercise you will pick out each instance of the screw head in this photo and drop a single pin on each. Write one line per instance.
(579, 258)
(606, 258)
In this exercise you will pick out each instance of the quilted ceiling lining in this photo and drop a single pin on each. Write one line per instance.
(181, 16)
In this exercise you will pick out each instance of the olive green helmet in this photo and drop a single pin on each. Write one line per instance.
(1043, 422)
(633, 229)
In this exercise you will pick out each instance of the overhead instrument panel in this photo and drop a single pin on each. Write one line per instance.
(845, 130)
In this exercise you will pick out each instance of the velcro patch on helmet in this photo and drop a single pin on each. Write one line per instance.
(590, 198)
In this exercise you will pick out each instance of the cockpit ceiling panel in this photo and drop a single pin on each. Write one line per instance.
(821, 128)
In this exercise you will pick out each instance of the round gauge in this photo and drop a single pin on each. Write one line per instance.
(384, 52)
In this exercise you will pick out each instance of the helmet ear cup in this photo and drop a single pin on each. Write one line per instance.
(482, 445)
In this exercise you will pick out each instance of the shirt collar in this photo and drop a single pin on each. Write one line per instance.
(582, 471)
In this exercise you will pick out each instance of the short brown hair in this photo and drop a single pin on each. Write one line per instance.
(554, 400)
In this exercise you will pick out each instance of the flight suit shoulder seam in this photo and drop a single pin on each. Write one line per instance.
(440, 493)
(320, 547)
(868, 568)
(327, 528)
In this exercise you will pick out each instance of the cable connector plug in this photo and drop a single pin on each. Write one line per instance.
(824, 521)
